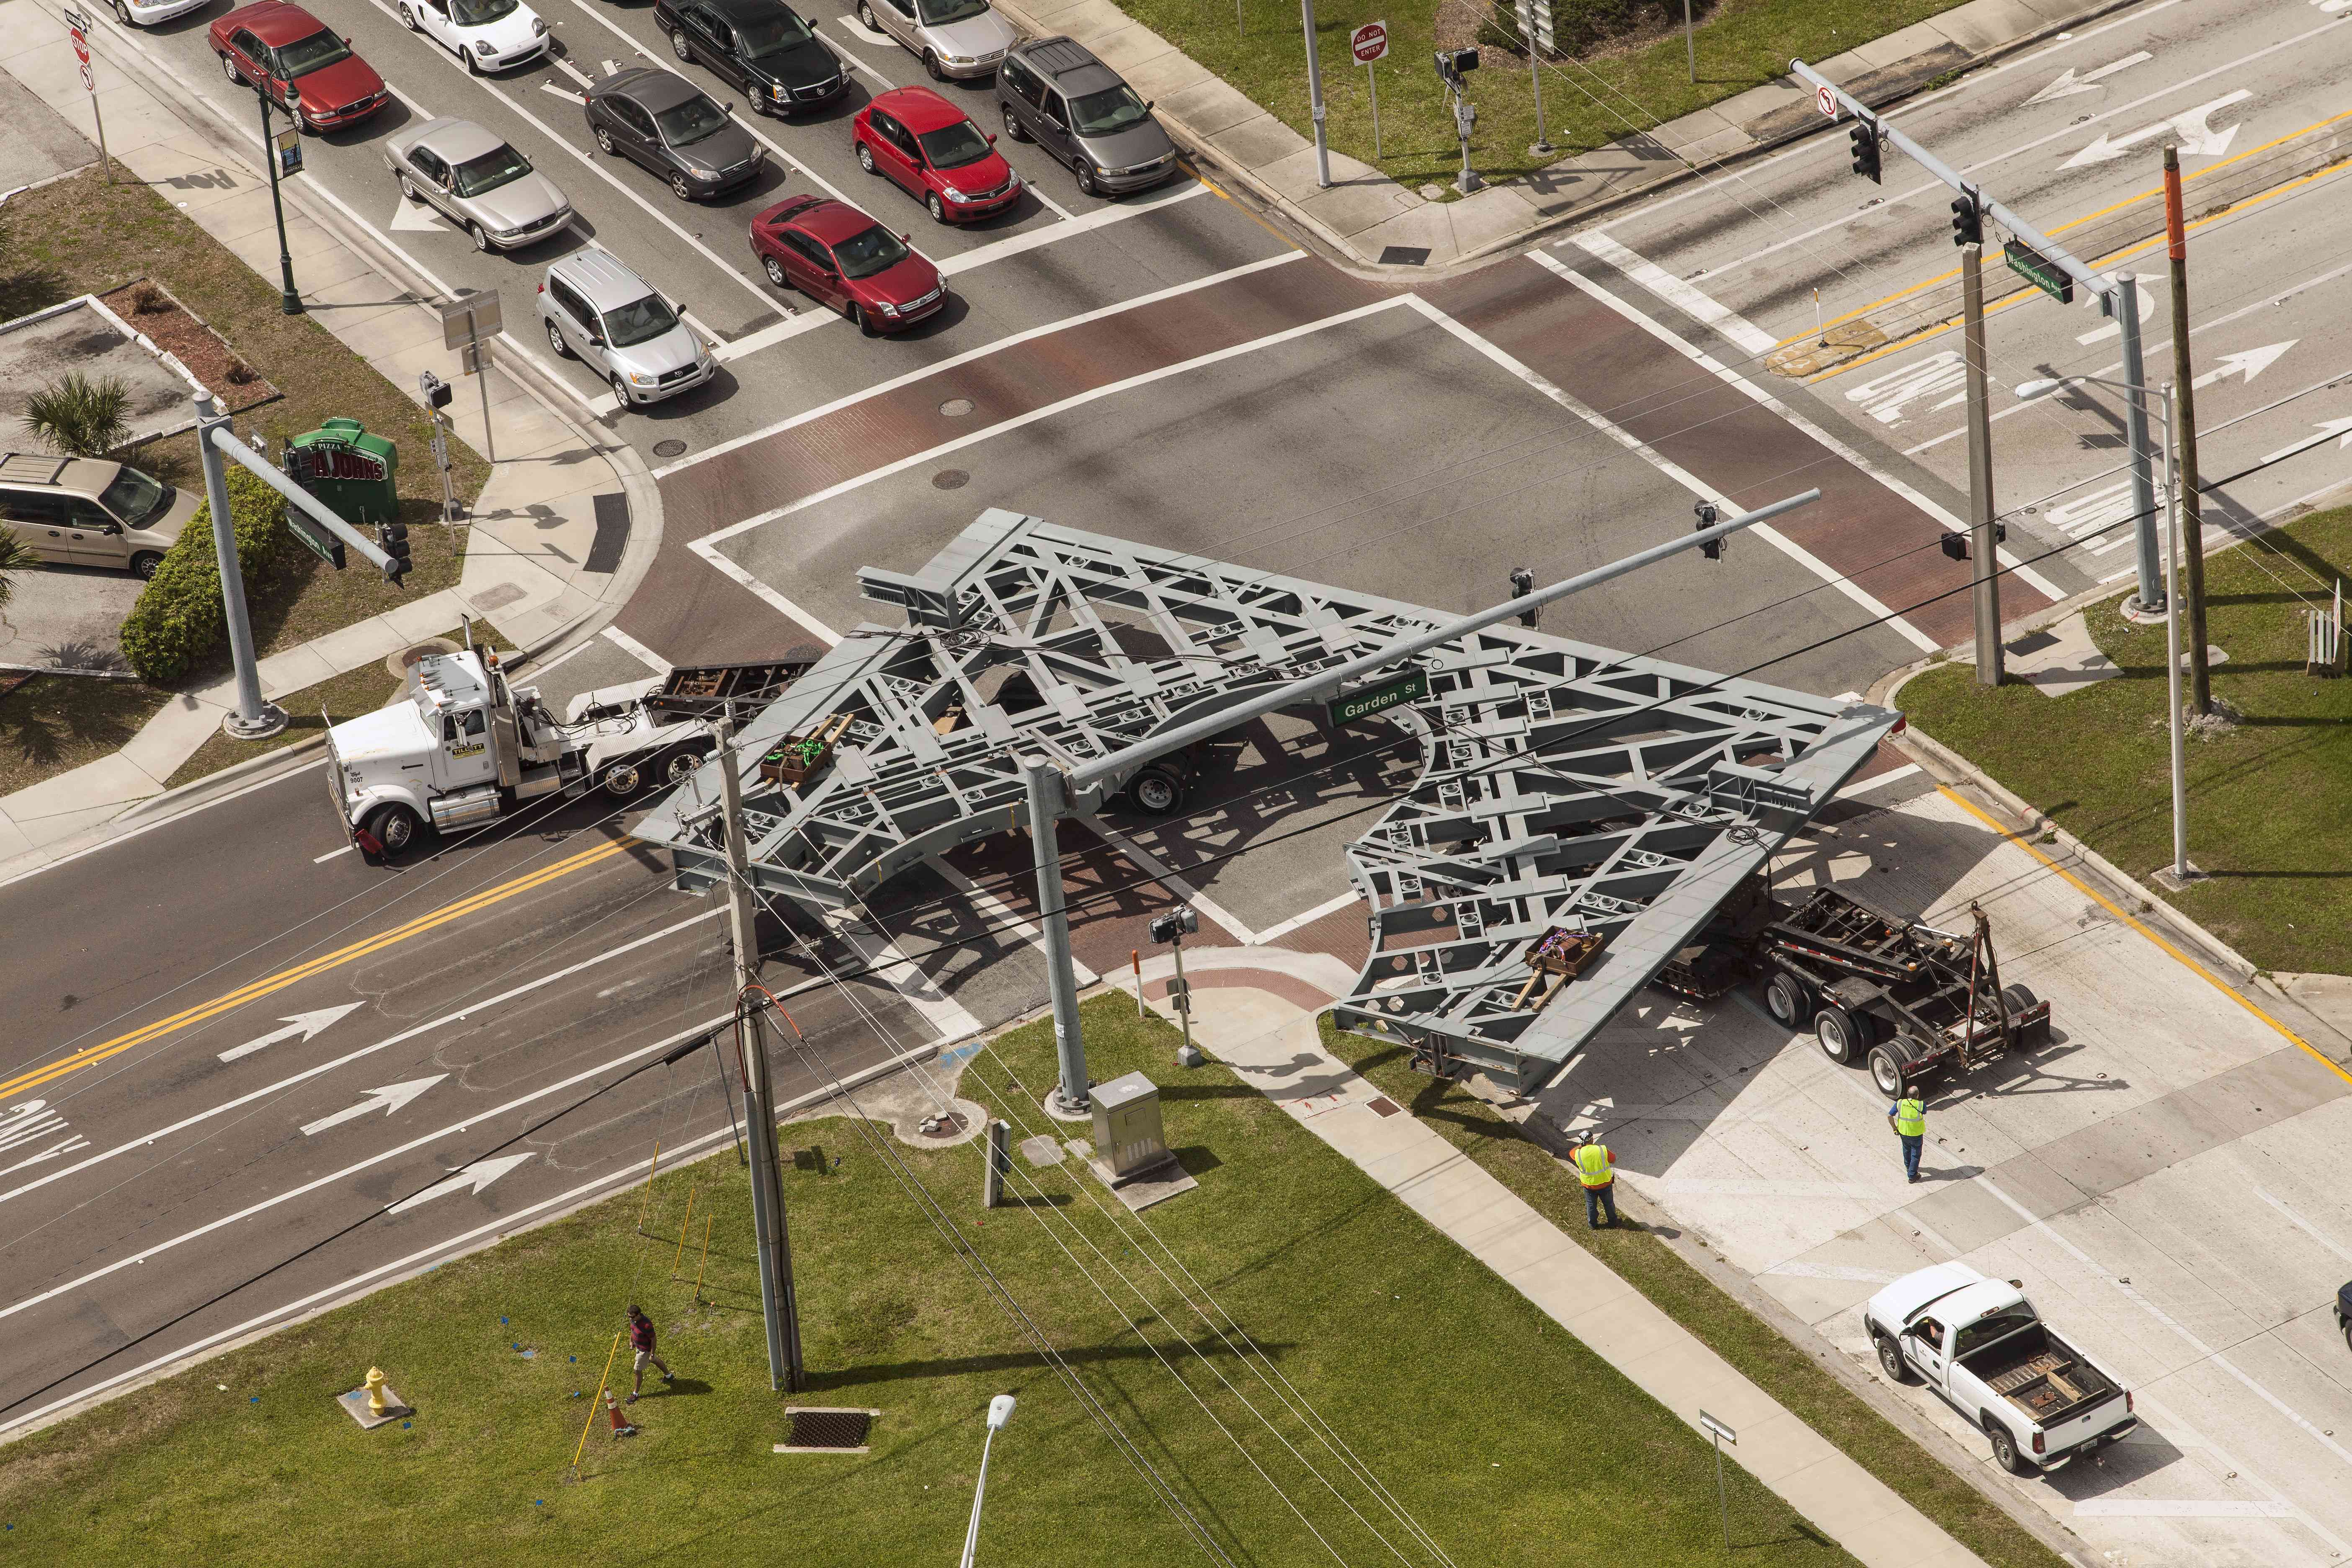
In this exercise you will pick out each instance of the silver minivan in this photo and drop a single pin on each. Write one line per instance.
(599, 312)
(80, 512)
(961, 40)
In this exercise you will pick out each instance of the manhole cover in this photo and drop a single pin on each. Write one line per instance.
(397, 662)
(948, 1126)
(955, 407)
(827, 1431)
(668, 449)
(949, 479)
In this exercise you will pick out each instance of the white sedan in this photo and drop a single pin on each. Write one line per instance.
(148, 13)
(487, 35)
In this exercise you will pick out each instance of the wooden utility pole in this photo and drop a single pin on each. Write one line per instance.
(2192, 512)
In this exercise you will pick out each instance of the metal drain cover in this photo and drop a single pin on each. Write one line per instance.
(951, 1125)
(955, 407)
(669, 448)
(829, 1431)
(949, 479)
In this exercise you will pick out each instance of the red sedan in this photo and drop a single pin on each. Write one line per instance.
(842, 258)
(926, 144)
(308, 70)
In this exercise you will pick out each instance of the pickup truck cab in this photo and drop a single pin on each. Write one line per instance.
(1980, 1345)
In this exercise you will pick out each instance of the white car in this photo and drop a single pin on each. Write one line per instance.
(487, 35)
(148, 13)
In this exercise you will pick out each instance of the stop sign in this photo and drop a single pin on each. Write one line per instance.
(1370, 42)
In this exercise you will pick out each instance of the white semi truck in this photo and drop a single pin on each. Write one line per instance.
(463, 745)
(1980, 1345)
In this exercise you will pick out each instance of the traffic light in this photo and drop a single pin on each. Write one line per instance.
(1453, 63)
(1956, 545)
(1707, 518)
(437, 392)
(1865, 151)
(1181, 921)
(1523, 583)
(1968, 225)
(393, 538)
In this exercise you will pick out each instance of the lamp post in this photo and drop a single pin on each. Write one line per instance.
(999, 1411)
(289, 299)
(2181, 871)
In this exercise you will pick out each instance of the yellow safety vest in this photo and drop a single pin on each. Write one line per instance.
(1592, 1165)
(1910, 1117)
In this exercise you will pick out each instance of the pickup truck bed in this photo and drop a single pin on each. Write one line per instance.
(2040, 1374)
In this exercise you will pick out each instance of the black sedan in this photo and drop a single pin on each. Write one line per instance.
(667, 125)
(762, 46)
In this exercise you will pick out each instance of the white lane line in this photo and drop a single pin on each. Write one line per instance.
(1160, 872)
(1070, 227)
(1865, 786)
(574, 651)
(562, 92)
(1764, 399)
(149, 1139)
(888, 963)
(1684, 296)
(1275, 932)
(574, 72)
(851, 25)
(322, 860)
(1004, 916)
(773, 600)
(881, 388)
(1801, 1270)
(1675, 472)
(2306, 1227)
(2168, 1507)
(637, 650)
(808, 319)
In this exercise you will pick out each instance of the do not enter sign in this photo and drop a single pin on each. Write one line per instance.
(1370, 42)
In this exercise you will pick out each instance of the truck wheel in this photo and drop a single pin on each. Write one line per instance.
(1156, 791)
(1834, 1028)
(2004, 1450)
(680, 768)
(1785, 999)
(621, 779)
(393, 826)
(1886, 1071)
(1891, 1358)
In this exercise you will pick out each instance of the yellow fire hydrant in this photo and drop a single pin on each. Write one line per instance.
(377, 1403)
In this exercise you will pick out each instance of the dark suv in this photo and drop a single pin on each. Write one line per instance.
(1053, 91)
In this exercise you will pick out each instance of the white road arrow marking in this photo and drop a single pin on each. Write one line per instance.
(388, 1099)
(32, 1120)
(612, 68)
(2333, 6)
(2146, 296)
(418, 217)
(564, 93)
(2249, 363)
(2068, 84)
(575, 73)
(477, 1176)
(2197, 139)
(2337, 430)
(302, 1024)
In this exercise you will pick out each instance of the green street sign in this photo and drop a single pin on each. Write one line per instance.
(2040, 270)
(1371, 699)
(315, 537)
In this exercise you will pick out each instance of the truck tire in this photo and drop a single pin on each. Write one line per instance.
(1785, 998)
(681, 767)
(1839, 1036)
(1157, 792)
(2005, 1451)
(621, 779)
(1890, 1358)
(394, 827)
(1887, 1071)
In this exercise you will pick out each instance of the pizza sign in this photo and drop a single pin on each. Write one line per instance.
(331, 460)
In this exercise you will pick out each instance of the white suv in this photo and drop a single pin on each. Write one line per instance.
(598, 311)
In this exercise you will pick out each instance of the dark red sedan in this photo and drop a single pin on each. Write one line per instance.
(310, 71)
(844, 259)
(928, 146)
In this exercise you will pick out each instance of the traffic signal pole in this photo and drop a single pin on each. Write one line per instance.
(1983, 561)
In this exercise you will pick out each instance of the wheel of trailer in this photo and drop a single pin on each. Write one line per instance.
(622, 778)
(1156, 791)
(1785, 999)
(1890, 1357)
(2020, 998)
(393, 826)
(2004, 1449)
(1834, 1028)
(1886, 1071)
(680, 768)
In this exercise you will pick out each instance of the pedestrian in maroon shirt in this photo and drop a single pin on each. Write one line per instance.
(641, 1340)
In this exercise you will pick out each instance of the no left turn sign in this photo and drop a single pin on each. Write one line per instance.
(1825, 99)
(1370, 42)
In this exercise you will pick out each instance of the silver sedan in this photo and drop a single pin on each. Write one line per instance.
(963, 39)
(476, 182)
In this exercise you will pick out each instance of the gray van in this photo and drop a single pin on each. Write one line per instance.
(1053, 91)
(598, 311)
(81, 511)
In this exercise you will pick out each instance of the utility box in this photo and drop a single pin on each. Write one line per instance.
(1127, 1126)
(356, 475)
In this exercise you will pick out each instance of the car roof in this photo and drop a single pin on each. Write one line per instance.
(1069, 65)
(830, 220)
(748, 10)
(274, 21)
(455, 139)
(603, 279)
(918, 108)
(650, 89)
(81, 475)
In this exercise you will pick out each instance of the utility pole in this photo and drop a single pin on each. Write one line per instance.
(1314, 98)
(2184, 394)
(1047, 798)
(776, 1300)
(1984, 564)
(253, 718)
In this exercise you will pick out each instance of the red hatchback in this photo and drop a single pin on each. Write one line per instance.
(840, 258)
(310, 72)
(927, 144)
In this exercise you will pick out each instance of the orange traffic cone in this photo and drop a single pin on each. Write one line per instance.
(620, 1426)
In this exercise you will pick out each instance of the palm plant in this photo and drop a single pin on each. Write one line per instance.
(80, 417)
(16, 557)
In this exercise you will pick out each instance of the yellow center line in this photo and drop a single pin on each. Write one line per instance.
(2105, 902)
(92, 1055)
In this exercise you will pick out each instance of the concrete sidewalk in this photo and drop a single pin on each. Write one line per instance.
(559, 537)
(1372, 221)
(1273, 1043)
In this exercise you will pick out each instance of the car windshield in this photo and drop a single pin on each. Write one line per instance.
(939, 12)
(488, 172)
(303, 56)
(1113, 109)
(684, 124)
(480, 13)
(136, 498)
(952, 148)
(864, 255)
(776, 35)
(640, 321)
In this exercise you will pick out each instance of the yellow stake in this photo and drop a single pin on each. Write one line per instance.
(645, 1208)
(706, 1260)
(593, 1404)
(682, 1225)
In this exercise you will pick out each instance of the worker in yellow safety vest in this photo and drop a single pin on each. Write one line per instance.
(1596, 1167)
(1908, 1116)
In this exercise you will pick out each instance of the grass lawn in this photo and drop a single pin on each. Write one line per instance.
(1500, 1432)
(1741, 44)
(54, 724)
(1781, 1368)
(2270, 802)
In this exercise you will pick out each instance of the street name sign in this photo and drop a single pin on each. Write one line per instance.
(2040, 270)
(1368, 700)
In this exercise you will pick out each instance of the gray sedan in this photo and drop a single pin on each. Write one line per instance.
(963, 39)
(476, 182)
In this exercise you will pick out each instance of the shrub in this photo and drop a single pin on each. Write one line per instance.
(80, 418)
(147, 301)
(179, 618)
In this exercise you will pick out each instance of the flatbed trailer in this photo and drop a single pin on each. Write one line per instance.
(1912, 1001)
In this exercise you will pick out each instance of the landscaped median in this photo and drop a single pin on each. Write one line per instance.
(1499, 1433)
(2270, 786)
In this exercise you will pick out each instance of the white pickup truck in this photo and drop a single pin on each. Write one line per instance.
(1979, 1343)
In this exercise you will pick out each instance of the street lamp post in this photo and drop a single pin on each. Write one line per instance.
(289, 301)
(2182, 872)
(999, 1411)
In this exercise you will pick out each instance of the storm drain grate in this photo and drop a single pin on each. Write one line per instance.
(829, 1431)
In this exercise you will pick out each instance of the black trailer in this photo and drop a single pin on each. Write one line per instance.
(1912, 1002)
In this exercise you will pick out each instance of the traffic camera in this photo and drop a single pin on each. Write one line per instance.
(1865, 151)
(437, 392)
(1707, 518)
(1454, 64)
(1180, 922)
(1968, 224)
(1956, 544)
